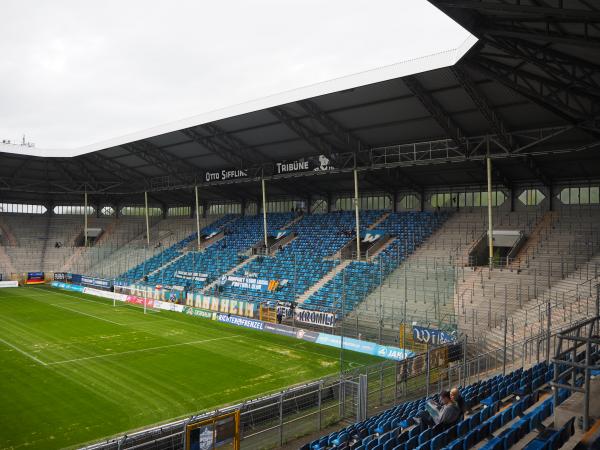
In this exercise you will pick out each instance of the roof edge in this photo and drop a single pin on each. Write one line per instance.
(412, 66)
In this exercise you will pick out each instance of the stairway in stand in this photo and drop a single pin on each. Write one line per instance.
(328, 276)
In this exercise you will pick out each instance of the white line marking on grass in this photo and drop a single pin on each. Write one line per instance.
(23, 352)
(85, 358)
(85, 314)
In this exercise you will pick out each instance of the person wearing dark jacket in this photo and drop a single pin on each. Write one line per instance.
(460, 401)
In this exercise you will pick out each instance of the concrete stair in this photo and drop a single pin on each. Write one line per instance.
(375, 224)
(6, 265)
(323, 281)
(167, 264)
(292, 222)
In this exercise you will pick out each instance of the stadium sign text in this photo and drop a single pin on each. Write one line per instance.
(194, 276)
(308, 316)
(224, 175)
(431, 336)
(321, 163)
(240, 321)
(253, 284)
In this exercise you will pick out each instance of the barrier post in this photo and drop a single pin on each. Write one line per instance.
(427, 366)
(357, 215)
(548, 332)
(505, 333)
(281, 418)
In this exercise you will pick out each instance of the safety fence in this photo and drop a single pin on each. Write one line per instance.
(316, 407)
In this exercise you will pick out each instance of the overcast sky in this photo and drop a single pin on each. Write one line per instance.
(76, 72)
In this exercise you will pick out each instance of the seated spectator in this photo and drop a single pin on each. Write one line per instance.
(460, 402)
(446, 415)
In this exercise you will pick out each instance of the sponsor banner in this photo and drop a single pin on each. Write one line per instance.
(168, 306)
(371, 235)
(431, 336)
(241, 321)
(366, 347)
(314, 317)
(197, 312)
(9, 284)
(298, 333)
(223, 305)
(278, 234)
(250, 283)
(96, 282)
(321, 163)
(140, 301)
(225, 174)
(194, 276)
(308, 316)
(68, 287)
(35, 278)
(158, 292)
(60, 276)
(105, 294)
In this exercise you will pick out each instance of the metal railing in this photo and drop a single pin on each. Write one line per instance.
(581, 339)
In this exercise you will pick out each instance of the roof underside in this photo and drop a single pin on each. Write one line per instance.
(527, 94)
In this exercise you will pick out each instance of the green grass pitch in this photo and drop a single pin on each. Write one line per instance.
(75, 369)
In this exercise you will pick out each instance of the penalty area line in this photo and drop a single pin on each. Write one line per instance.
(85, 358)
(23, 352)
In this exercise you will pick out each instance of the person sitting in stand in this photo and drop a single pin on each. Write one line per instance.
(460, 401)
(441, 416)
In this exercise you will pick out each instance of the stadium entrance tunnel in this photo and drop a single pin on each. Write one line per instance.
(506, 246)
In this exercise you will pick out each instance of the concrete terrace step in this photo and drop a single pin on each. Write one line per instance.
(328, 276)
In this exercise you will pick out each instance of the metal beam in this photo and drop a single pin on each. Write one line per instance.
(565, 68)
(545, 35)
(115, 167)
(452, 130)
(235, 144)
(161, 159)
(216, 148)
(555, 97)
(350, 141)
(515, 6)
(308, 135)
(496, 124)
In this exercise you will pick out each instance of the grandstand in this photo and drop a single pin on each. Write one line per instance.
(376, 234)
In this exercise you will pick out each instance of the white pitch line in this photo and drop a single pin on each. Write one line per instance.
(139, 350)
(23, 352)
(85, 314)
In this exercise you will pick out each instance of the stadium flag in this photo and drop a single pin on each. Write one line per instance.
(35, 278)
(431, 336)
(371, 235)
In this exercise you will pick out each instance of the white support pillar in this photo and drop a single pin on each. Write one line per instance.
(264, 208)
(147, 219)
(356, 206)
(490, 225)
(85, 219)
(197, 216)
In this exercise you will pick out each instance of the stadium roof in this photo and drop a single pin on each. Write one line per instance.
(527, 93)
